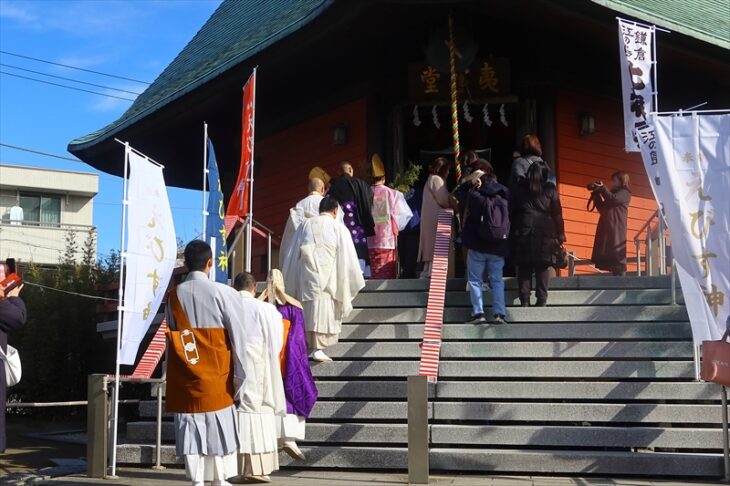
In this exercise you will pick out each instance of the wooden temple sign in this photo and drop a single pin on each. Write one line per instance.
(485, 79)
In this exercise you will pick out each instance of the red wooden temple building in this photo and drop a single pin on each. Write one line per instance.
(341, 80)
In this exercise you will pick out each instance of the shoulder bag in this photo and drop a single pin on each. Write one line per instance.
(13, 369)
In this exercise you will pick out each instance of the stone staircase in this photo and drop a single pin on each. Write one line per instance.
(600, 382)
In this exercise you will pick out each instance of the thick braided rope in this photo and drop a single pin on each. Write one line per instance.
(454, 98)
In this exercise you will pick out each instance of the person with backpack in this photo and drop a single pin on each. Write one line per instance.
(529, 153)
(538, 231)
(486, 236)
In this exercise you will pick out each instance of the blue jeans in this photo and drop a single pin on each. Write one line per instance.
(475, 265)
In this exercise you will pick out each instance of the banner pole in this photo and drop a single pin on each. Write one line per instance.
(249, 232)
(725, 435)
(213, 270)
(205, 175)
(656, 65)
(120, 309)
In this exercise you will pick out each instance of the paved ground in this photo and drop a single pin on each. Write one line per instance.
(28, 454)
(170, 477)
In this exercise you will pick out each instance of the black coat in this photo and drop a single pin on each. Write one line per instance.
(475, 203)
(348, 188)
(12, 317)
(537, 225)
(609, 248)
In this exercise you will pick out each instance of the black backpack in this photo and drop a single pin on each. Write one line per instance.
(494, 222)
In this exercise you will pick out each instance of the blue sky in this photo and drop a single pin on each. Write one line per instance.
(131, 38)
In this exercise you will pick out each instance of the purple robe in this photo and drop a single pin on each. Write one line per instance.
(299, 387)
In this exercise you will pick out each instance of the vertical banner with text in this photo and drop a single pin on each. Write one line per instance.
(687, 159)
(215, 221)
(151, 252)
(636, 51)
(238, 205)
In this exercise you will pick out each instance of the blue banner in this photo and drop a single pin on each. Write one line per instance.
(215, 223)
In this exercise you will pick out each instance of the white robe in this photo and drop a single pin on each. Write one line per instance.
(323, 273)
(261, 398)
(304, 209)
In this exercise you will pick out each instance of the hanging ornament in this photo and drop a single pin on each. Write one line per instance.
(435, 115)
(503, 116)
(467, 114)
(485, 112)
(416, 119)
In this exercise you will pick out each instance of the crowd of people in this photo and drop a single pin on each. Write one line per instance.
(238, 369)
(499, 225)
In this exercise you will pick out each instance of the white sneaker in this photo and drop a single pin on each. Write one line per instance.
(320, 356)
(291, 448)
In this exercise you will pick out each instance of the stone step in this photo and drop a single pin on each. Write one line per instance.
(607, 463)
(486, 435)
(617, 313)
(502, 412)
(604, 331)
(557, 298)
(580, 282)
(502, 350)
(491, 412)
(608, 370)
(569, 436)
(594, 391)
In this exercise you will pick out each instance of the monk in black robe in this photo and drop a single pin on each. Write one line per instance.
(609, 248)
(356, 199)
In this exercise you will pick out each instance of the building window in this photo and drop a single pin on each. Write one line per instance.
(41, 209)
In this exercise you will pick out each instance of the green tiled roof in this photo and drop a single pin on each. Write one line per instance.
(237, 30)
(707, 20)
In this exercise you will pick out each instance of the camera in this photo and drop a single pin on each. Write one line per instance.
(594, 185)
(8, 278)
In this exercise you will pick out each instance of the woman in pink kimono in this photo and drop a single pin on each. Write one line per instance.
(391, 214)
(435, 197)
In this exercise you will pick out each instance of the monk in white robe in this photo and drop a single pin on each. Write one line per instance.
(262, 402)
(304, 209)
(205, 416)
(325, 276)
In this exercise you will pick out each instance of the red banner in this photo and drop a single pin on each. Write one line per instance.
(238, 205)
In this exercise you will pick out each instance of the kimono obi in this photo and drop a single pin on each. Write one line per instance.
(199, 366)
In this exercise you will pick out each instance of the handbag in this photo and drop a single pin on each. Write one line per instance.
(13, 369)
(716, 360)
(561, 257)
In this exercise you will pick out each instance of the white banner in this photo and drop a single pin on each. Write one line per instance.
(687, 159)
(151, 252)
(636, 51)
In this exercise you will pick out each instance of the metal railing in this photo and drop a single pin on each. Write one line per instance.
(654, 235)
(47, 225)
(259, 230)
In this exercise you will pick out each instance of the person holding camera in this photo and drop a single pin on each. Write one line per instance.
(538, 231)
(12, 317)
(609, 247)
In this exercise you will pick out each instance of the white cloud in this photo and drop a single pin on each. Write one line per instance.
(17, 13)
(113, 105)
